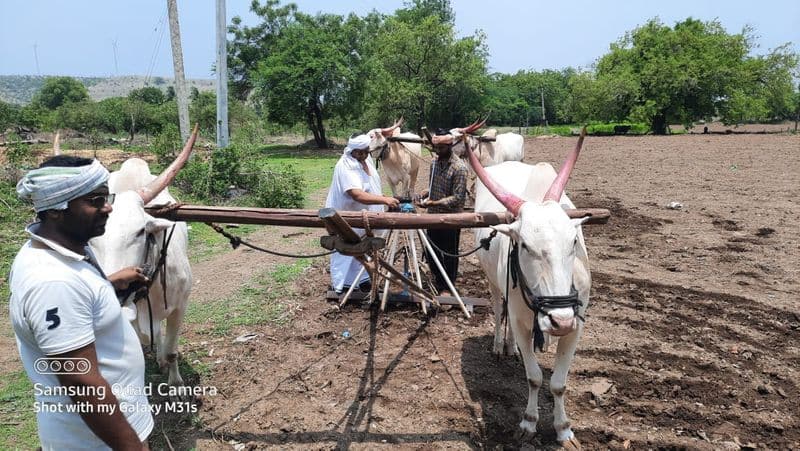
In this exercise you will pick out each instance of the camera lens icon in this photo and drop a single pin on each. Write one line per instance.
(62, 365)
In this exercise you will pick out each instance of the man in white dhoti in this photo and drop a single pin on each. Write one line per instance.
(356, 186)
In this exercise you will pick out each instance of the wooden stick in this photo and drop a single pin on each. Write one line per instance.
(392, 249)
(336, 225)
(415, 265)
(444, 273)
(377, 220)
(352, 287)
(411, 285)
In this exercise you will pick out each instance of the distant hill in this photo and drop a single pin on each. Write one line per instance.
(19, 89)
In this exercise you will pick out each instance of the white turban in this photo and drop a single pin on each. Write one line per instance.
(51, 188)
(357, 142)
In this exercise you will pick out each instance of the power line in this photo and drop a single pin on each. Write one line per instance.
(156, 47)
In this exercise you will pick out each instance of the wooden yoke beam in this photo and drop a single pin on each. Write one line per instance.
(377, 220)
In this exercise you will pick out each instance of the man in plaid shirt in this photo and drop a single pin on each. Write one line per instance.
(448, 193)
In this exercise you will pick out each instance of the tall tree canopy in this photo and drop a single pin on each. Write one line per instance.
(419, 69)
(309, 73)
(692, 71)
(250, 45)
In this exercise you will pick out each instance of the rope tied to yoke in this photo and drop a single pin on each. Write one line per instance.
(365, 218)
(236, 241)
(485, 243)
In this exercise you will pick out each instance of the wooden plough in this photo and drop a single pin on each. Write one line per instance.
(342, 238)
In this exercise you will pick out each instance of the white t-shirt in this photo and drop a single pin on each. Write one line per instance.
(60, 302)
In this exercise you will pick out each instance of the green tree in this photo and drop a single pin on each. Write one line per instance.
(148, 94)
(308, 74)
(681, 73)
(58, 91)
(111, 114)
(417, 10)
(203, 111)
(9, 115)
(764, 90)
(420, 70)
(250, 45)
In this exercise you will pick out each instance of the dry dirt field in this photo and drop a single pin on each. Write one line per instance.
(691, 341)
(692, 338)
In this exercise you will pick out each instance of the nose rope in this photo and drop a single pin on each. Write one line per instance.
(540, 304)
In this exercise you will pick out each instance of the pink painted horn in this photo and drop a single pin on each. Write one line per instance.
(510, 201)
(149, 192)
(557, 188)
(388, 131)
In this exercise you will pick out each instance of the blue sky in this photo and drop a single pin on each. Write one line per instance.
(77, 37)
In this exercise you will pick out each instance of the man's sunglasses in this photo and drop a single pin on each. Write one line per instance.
(100, 200)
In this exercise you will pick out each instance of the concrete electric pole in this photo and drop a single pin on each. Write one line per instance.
(177, 63)
(222, 76)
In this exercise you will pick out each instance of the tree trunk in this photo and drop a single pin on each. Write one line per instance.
(314, 125)
(323, 140)
(314, 120)
(133, 128)
(660, 124)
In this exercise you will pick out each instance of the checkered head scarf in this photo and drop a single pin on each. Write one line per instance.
(52, 187)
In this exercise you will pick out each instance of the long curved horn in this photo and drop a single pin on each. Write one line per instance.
(472, 127)
(149, 192)
(510, 201)
(557, 187)
(388, 131)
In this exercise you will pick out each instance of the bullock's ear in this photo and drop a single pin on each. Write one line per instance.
(154, 225)
(511, 230)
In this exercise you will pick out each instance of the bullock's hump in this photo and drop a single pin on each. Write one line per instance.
(133, 174)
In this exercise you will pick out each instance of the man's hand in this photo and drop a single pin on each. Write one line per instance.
(391, 202)
(425, 203)
(126, 276)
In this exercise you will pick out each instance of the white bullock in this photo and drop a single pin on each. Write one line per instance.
(134, 238)
(400, 160)
(505, 147)
(550, 268)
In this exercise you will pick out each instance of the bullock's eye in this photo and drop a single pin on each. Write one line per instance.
(140, 233)
(524, 246)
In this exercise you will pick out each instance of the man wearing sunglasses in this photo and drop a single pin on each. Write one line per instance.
(82, 355)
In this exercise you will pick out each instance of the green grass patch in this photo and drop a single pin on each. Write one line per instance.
(258, 302)
(595, 129)
(14, 216)
(316, 166)
(17, 416)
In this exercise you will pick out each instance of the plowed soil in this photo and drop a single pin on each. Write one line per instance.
(692, 337)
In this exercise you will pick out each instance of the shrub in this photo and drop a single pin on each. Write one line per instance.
(279, 187)
(225, 170)
(167, 143)
(193, 178)
(18, 158)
